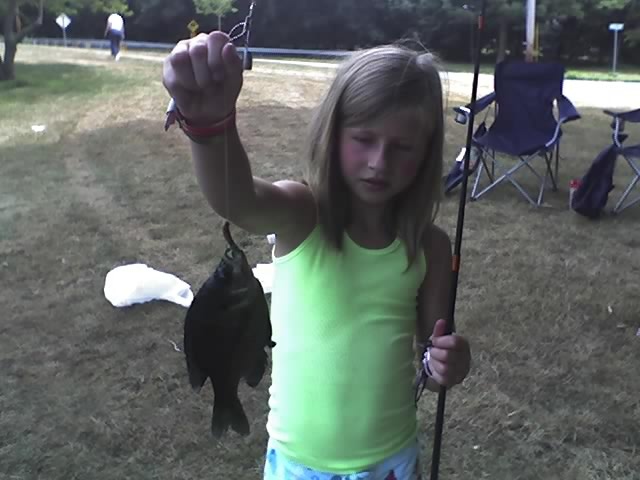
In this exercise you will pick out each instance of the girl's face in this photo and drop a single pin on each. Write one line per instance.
(381, 158)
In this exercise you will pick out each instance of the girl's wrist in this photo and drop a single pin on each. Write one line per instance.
(204, 133)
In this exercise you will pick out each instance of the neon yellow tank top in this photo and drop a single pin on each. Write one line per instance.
(341, 397)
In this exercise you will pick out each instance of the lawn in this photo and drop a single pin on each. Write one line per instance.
(547, 298)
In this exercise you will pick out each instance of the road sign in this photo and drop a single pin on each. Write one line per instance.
(615, 28)
(63, 21)
(193, 27)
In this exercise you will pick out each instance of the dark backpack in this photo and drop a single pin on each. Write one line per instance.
(592, 194)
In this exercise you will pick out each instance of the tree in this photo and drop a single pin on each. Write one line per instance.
(15, 30)
(220, 8)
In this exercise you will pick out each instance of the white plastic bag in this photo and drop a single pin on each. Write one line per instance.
(264, 273)
(137, 283)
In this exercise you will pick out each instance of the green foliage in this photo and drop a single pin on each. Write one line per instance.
(71, 7)
(569, 30)
(219, 8)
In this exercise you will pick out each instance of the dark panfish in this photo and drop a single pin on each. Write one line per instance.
(226, 331)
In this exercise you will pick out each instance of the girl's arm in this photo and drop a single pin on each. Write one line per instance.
(433, 297)
(204, 76)
(253, 204)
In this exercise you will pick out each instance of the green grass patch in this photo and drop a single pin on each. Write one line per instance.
(45, 81)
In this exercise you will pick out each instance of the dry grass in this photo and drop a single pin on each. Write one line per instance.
(93, 392)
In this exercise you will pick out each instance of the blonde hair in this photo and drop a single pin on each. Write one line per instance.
(368, 85)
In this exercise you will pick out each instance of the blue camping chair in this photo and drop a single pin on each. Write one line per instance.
(630, 153)
(524, 127)
(592, 194)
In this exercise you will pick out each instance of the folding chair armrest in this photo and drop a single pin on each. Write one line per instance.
(618, 124)
(632, 116)
(567, 111)
(481, 103)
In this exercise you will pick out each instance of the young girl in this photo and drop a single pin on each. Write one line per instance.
(361, 272)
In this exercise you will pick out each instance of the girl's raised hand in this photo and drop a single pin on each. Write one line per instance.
(204, 77)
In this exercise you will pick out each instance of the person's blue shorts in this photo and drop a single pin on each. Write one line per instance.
(402, 466)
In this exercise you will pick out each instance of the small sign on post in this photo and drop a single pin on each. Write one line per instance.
(615, 28)
(63, 22)
(193, 27)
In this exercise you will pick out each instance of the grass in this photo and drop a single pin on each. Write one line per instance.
(547, 298)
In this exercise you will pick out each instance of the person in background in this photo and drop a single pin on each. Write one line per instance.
(115, 33)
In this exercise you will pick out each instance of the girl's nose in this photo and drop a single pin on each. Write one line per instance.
(378, 158)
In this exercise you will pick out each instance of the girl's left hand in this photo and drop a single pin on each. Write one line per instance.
(449, 357)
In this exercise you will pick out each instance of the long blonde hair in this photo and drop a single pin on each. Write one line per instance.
(369, 84)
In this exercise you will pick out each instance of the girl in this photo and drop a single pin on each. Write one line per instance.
(361, 271)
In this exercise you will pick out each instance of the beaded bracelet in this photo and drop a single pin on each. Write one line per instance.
(202, 135)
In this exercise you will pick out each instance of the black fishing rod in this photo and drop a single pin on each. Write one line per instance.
(437, 439)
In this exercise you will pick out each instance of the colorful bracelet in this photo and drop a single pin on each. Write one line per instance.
(425, 362)
(426, 357)
(204, 135)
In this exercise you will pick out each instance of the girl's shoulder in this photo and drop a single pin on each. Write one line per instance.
(300, 195)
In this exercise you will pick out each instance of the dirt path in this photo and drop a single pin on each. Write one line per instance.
(585, 93)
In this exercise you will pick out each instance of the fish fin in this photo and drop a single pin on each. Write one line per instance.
(196, 376)
(255, 374)
(197, 379)
(229, 415)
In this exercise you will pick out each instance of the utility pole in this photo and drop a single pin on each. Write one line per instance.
(531, 29)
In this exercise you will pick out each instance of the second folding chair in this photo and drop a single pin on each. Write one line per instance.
(630, 153)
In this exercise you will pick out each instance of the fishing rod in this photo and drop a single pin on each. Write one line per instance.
(437, 440)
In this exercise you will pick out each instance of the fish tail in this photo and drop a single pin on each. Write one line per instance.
(229, 414)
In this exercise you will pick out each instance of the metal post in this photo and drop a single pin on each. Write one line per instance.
(615, 51)
(615, 27)
(531, 29)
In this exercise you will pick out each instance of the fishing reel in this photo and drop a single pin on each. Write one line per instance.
(462, 115)
(247, 59)
(246, 56)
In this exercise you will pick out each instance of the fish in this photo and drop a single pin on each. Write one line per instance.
(227, 329)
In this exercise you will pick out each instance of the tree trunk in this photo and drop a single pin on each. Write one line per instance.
(12, 39)
(503, 37)
(7, 70)
(7, 64)
(219, 23)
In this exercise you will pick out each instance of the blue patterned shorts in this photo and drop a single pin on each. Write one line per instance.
(402, 466)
